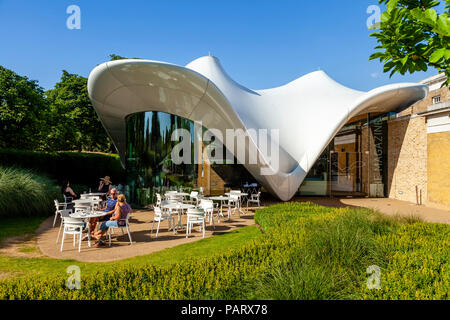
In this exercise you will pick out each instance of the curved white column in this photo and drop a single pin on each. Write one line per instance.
(308, 112)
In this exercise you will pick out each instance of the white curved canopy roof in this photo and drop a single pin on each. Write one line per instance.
(308, 112)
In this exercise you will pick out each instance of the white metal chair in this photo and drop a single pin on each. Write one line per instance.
(169, 194)
(97, 200)
(195, 216)
(242, 196)
(232, 204)
(59, 206)
(64, 214)
(162, 216)
(208, 207)
(174, 196)
(158, 200)
(121, 227)
(193, 198)
(255, 198)
(74, 227)
(67, 199)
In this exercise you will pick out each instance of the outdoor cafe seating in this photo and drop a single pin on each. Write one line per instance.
(198, 209)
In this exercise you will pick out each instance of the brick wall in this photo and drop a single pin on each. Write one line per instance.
(439, 168)
(422, 105)
(407, 158)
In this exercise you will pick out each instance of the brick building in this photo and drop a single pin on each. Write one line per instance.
(419, 149)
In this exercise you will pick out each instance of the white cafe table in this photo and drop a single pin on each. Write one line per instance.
(221, 199)
(92, 194)
(86, 202)
(86, 216)
(179, 207)
(181, 194)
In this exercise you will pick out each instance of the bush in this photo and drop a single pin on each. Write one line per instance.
(418, 263)
(307, 252)
(77, 167)
(24, 194)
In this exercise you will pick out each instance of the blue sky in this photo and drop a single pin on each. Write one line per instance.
(261, 44)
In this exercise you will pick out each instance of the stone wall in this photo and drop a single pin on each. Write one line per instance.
(407, 159)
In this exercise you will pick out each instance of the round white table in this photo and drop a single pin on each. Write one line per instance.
(92, 194)
(86, 202)
(178, 195)
(179, 207)
(86, 216)
(221, 199)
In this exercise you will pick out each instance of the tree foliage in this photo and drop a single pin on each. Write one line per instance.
(22, 106)
(74, 124)
(414, 37)
(60, 119)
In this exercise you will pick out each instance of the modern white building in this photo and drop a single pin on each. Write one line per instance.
(325, 133)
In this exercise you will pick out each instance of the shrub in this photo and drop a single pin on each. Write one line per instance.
(330, 261)
(307, 252)
(418, 263)
(77, 167)
(24, 194)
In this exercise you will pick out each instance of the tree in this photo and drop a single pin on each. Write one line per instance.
(414, 37)
(22, 111)
(114, 57)
(74, 123)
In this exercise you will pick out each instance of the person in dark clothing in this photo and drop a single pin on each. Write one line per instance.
(105, 185)
(68, 194)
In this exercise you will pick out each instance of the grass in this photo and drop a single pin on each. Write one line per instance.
(48, 267)
(26, 194)
(330, 261)
(306, 252)
(11, 227)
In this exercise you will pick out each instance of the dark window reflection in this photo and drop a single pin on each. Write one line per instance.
(149, 165)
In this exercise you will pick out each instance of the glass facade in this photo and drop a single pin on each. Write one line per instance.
(149, 164)
(355, 162)
(150, 168)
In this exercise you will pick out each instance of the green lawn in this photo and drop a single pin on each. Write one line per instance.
(46, 267)
(10, 227)
(307, 252)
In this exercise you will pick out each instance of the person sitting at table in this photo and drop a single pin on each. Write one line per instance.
(105, 185)
(109, 209)
(121, 211)
(68, 194)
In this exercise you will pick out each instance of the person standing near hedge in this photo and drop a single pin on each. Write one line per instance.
(105, 185)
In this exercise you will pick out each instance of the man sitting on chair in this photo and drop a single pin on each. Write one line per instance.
(109, 209)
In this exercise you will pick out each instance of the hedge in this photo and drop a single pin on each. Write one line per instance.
(307, 252)
(77, 167)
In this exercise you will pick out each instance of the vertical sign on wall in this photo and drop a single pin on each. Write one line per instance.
(378, 157)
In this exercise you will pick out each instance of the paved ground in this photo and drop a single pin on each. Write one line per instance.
(390, 207)
(143, 242)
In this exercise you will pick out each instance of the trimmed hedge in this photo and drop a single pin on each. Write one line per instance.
(77, 167)
(307, 252)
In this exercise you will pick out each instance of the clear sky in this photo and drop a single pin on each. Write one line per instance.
(261, 44)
